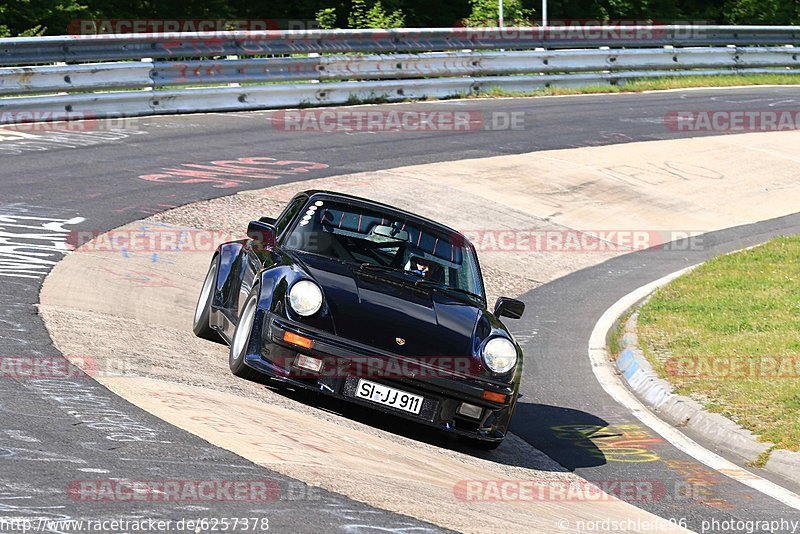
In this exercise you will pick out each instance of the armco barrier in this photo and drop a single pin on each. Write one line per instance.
(76, 48)
(141, 74)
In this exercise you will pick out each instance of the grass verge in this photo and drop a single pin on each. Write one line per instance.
(655, 84)
(728, 335)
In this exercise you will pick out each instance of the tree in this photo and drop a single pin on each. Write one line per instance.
(35, 17)
(485, 13)
(373, 17)
(762, 12)
(326, 18)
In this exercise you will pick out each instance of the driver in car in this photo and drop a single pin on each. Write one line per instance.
(420, 267)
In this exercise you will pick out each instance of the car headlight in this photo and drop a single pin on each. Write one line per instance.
(305, 298)
(499, 355)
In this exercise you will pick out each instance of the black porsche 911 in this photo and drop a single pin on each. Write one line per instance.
(371, 304)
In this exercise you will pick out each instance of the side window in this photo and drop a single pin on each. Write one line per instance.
(288, 214)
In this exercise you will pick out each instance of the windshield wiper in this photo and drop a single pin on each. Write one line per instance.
(366, 266)
(396, 276)
(316, 254)
(437, 285)
(416, 283)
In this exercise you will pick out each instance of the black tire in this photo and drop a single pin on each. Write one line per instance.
(201, 326)
(241, 339)
(479, 443)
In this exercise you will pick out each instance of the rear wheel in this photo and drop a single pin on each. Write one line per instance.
(202, 313)
(241, 339)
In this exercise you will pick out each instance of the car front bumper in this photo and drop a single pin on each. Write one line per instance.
(443, 390)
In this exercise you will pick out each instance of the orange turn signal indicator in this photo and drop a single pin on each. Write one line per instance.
(494, 397)
(297, 339)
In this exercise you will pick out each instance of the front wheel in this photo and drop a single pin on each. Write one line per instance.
(241, 339)
(202, 312)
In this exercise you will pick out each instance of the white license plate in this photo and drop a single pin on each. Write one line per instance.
(378, 393)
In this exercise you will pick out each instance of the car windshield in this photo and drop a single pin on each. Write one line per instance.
(381, 242)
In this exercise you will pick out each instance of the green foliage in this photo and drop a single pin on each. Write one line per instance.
(362, 15)
(4, 31)
(35, 17)
(52, 17)
(326, 18)
(36, 31)
(375, 16)
(762, 12)
(485, 13)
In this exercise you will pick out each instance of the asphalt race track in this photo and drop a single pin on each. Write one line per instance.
(54, 433)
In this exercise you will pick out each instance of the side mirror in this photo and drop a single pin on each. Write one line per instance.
(262, 233)
(268, 220)
(507, 307)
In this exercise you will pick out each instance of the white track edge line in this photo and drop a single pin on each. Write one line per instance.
(612, 384)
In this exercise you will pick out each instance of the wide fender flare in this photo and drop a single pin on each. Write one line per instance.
(229, 254)
(272, 286)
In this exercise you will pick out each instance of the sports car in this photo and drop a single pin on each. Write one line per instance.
(371, 304)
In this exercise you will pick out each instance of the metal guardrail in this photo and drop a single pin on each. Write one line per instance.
(79, 48)
(104, 76)
(447, 62)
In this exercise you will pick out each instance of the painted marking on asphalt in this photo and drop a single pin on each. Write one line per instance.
(231, 173)
(31, 242)
(605, 373)
(15, 142)
(92, 407)
(702, 483)
(614, 443)
(20, 435)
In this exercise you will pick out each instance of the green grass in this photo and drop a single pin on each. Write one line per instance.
(656, 84)
(707, 332)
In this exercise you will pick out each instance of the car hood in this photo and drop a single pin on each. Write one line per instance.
(375, 309)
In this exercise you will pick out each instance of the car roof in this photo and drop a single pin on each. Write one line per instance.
(318, 193)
